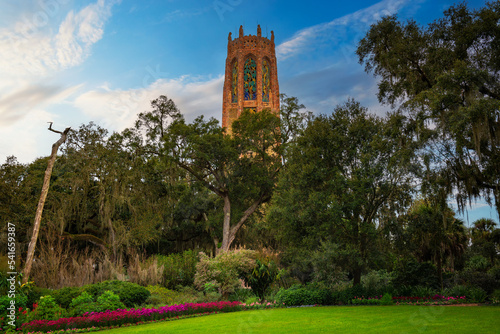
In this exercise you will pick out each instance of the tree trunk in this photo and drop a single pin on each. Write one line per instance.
(356, 276)
(440, 269)
(226, 227)
(228, 232)
(41, 202)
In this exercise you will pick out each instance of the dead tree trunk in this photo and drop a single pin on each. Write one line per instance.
(41, 202)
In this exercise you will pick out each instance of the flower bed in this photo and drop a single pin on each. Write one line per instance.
(430, 300)
(123, 317)
(366, 301)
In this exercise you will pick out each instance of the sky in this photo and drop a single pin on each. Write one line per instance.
(71, 61)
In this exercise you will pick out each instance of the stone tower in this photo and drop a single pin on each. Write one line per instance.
(251, 80)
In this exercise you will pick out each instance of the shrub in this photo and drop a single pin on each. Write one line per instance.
(160, 295)
(109, 301)
(477, 263)
(164, 296)
(4, 302)
(297, 296)
(242, 294)
(477, 295)
(344, 296)
(423, 291)
(457, 290)
(178, 269)
(485, 281)
(35, 294)
(495, 297)
(130, 294)
(64, 296)
(409, 272)
(224, 270)
(48, 309)
(261, 277)
(386, 299)
(82, 304)
(377, 280)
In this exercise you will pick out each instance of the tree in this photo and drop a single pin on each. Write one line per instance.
(483, 239)
(41, 202)
(342, 174)
(434, 234)
(241, 168)
(448, 76)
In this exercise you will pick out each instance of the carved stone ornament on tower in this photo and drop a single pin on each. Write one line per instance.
(251, 80)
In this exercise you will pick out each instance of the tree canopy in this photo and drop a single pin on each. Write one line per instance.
(447, 76)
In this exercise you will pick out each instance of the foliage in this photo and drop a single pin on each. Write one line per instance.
(163, 296)
(365, 301)
(409, 272)
(446, 75)
(472, 293)
(434, 234)
(477, 263)
(108, 301)
(178, 269)
(425, 291)
(341, 177)
(64, 296)
(239, 167)
(130, 294)
(37, 292)
(477, 295)
(48, 309)
(261, 277)
(386, 299)
(495, 297)
(82, 304)
(224, 270)
(297, 296)
(481, 280)
(377, 280)
(344, 296)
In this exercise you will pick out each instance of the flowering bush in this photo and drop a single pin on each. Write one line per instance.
(123, 317)
(223, 271)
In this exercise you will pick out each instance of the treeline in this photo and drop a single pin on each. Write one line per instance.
(337, 196)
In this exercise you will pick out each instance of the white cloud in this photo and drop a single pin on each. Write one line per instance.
(30, 139)
(118, 109)
(29, 48)
(39, 42)
(332, 31)
(27, 98)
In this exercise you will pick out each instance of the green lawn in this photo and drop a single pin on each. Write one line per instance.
(335, 319)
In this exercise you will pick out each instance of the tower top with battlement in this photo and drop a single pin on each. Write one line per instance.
(251, 78)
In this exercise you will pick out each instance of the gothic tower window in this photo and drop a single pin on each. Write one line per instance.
(250, 79)
(234, 83)
(265, 81)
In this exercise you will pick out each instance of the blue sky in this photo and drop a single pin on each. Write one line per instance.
(72, 62)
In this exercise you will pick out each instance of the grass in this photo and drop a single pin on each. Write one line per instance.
(360, 319)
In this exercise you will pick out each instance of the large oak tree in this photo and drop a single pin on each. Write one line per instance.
(447, 75)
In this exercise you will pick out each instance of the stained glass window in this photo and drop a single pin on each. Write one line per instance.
(234, 84)
(250, 79)
(265, 81)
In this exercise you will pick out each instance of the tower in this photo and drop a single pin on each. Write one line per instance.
(251, 80)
